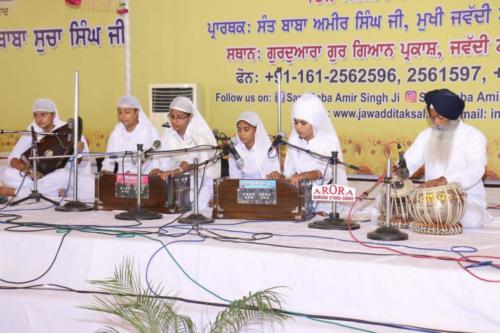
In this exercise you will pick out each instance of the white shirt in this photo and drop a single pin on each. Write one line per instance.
(297, 161)
(121, 140)
(24, 143)
(250, 168)
(466, 164)
(171, 140)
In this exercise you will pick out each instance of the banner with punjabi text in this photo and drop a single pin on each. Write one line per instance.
(370, 62)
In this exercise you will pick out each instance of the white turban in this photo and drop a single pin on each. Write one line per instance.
(197, 126)
(309, 107)
(129, 101)
(45, 105)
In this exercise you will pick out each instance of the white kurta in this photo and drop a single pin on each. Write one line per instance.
(298, 161)
(86, 179)
(466, 166)
(50, 184)
(171, 141)
(121, 140)
(251, 169)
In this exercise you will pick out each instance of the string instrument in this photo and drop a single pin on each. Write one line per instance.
(52, 145)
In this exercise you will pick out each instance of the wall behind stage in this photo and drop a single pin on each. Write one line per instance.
(370, 61)
(42, 44)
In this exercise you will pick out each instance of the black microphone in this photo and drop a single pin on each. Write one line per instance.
(71, 127)
(403, 169)
(239, 161)
(166, 124)
(219, 136)
(277, 140)
(33, 134)
(156, 145)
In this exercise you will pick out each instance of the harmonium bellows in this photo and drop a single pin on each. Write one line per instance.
(261, 199)
(118, 192)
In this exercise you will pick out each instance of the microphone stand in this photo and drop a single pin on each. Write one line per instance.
(3, 199)
(279, 76)
(34, 192)
(388, 232)
(333, 221)
(139, 213)
(278, 100)
(75, 205)
(196, 218)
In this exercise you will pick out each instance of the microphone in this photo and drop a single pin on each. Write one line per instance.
(167, 125)
(33, 134)
(403, 169)
(219, 136)
(232, 150)
(278, 139)
(71, 127)
(156, 145)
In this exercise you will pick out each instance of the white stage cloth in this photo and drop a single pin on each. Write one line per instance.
(325, 274)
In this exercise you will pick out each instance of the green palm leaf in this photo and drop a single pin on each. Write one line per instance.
(262, 306)
(148, 313)
(140, 307)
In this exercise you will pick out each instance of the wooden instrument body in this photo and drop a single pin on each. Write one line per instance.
(273, 200)
(168, 197)
(52, 145)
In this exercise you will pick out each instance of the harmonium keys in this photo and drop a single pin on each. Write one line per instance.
(262, 199)
(119, 192)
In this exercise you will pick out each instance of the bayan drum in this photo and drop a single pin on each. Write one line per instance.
(437, 210)
(400, 211)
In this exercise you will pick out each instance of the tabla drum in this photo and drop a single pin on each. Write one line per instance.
(437, 210)
(400, 211)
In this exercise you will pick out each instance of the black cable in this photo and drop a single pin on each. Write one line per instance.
(51, 226)
(254, 237)
(17, 190)
(239, 240)
(47, 270)
(14, 217)
(61, 288)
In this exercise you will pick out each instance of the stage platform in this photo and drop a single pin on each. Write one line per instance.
(322, 273)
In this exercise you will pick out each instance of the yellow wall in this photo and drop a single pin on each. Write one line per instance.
(170, 44)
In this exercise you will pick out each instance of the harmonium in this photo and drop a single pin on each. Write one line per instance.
(262, 199)
(118, 192)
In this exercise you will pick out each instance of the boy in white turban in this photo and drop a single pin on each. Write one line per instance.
(189, 129)
(45, 120)
(133, 128)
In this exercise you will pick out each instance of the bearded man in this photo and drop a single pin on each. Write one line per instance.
(452, 152)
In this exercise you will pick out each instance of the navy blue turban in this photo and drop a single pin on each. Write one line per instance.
(445, 102)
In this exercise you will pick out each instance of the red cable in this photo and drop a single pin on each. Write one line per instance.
(426, 256)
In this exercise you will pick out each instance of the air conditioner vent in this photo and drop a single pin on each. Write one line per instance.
(160, 96)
